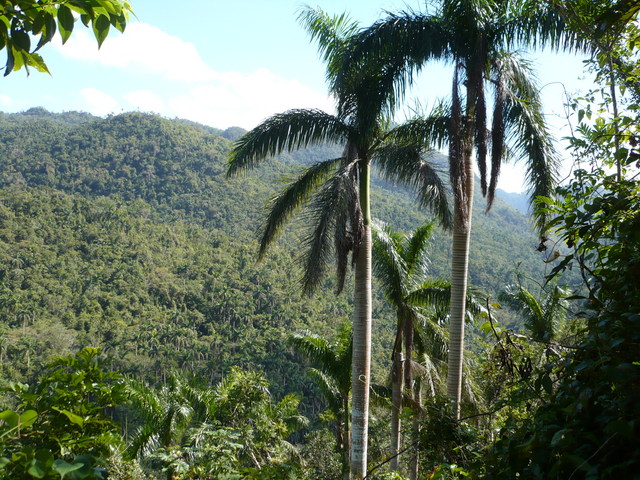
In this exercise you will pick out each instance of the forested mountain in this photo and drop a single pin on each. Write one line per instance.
(124, 233)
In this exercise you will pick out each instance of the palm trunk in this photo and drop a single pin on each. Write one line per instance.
(343, 443)
(414, 467)
(397, 387)
(460, 266)
(361, 364)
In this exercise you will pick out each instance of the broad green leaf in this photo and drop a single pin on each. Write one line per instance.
(559, 435)
(28, 418)
(73, 418)
(64, 468)
(36, 61)
(65, 22)
(48, 32)
(10, 417)
(18, 59)
(21, 40)
(101, 27)
(37, 469)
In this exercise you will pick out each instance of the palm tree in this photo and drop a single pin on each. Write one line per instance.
(337, 191)
(400, 264)
(542, 316)
(166, 413)
(332, 373)
(474, 36)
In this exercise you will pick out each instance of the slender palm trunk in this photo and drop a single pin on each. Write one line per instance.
(361, 365)
(343, 437)
(460, 265)
(397, 387)
(414, 467)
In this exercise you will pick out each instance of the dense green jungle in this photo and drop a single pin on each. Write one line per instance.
(145, 334)
(124, 234)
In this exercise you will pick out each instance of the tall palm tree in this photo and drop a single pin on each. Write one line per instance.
(400, 265)
(337, 191)
(475, 36)
(332, 373)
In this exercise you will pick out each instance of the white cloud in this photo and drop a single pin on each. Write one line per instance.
(144, 49)
(245, 100)
(197, 91)
(5, 100)
(97, 102)
(145, 101)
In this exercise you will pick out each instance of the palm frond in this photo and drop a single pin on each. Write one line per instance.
(394, 48)
(497, 139)
(471, 391)
(144, 399)
(527, 132)
(523, 301)
(332, 34)
(286, 131)
(539, 25)
(405, 164)
(431, 338)
(144, 442)
(284, 205)
(432, 294)
(415, 250)
(476, 77)
(389, 266)
(431, 130)
(316, 349)
(328, 388)
(335, 205)
(286, 411)
(456, 164)
(430, 372)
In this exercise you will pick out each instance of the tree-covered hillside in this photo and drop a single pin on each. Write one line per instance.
(124, 233)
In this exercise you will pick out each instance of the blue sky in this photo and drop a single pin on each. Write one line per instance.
(225, 63)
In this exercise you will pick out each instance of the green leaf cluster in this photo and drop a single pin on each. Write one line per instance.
(24, 20)
(60, 428)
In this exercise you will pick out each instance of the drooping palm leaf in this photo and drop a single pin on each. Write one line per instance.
(335, 205)
(388, 265)
(288, 131)
(526, 130)
(316, 349)
(406, 164)
(284, 205)
(497, 138)
(415, 251)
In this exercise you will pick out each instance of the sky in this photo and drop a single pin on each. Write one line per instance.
(224, 64)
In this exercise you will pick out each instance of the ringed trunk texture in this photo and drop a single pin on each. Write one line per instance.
(397, 387)
(414, 466)
(346, 435)
(361, 363)
(459, 274)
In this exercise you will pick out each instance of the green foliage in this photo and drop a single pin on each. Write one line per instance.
(586, 426)
(234, 429)
(60, 428)
(22, 21)
(122, 233)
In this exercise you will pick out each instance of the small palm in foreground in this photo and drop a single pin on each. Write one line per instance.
(332, 374)
(400, 264)
(542, 316)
